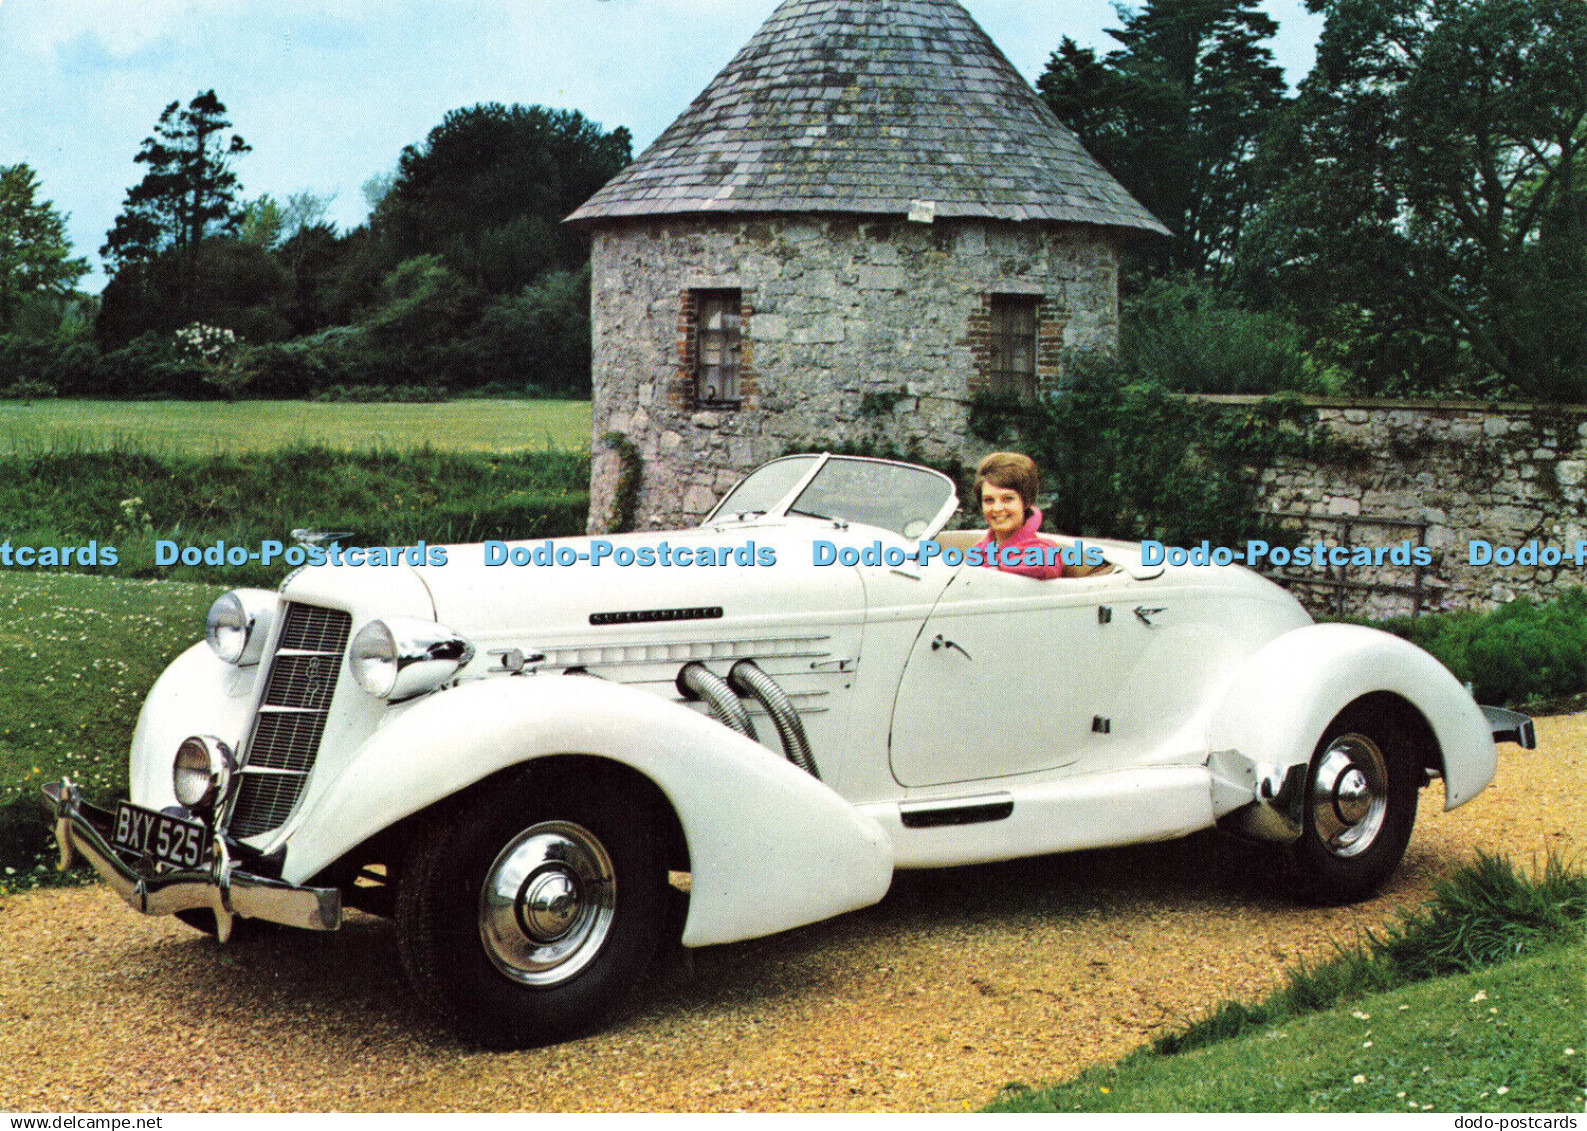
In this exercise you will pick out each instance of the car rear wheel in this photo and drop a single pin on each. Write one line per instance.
(1361, 794)
(528, 916)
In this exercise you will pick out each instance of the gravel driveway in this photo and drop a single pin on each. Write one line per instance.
(958, 983)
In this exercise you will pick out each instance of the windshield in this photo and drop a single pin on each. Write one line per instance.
(893, 496)
(762, 489)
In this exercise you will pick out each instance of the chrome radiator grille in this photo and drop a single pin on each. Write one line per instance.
(291, 720)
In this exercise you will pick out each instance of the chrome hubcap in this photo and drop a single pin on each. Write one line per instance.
(1350, 794)
(551, 905)
(546, 906)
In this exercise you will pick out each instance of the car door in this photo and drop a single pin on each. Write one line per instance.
(1008, 676)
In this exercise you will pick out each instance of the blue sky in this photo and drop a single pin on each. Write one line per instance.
(328, 94)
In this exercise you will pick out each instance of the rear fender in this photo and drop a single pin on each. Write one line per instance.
(1284, 696)
(770, 847)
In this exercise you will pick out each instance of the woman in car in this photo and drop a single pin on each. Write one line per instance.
(1007, 483)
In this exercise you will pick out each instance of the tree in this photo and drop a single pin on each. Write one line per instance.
(316, 257)
(1430, 214)
(304, 209)
(377, 188)
(35, 253)
(538, 338)
(237, 286)
(269, 224)
(1176, 114)
(188, 194)
(488, 189)
(262, 223)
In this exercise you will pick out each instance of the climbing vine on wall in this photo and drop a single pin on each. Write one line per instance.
(1132, 460)
(630, 474)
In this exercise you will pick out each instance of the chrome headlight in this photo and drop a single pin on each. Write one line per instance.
(202, 771)
(399, 657)
(238, 623)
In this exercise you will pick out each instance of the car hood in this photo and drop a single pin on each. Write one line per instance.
(573, 587)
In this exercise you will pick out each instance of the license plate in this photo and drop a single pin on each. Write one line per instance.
(170, 840)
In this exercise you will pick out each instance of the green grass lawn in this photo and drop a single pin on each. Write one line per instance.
(1471, 1002)
(1506, 1039)
(77, 656)
(211, 427)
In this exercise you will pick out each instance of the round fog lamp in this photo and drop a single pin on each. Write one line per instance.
(201, 772)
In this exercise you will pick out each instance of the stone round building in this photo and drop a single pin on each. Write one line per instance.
(866, 217)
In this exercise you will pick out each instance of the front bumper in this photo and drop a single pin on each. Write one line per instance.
(84, 830)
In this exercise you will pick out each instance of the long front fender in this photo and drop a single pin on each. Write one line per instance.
(770, 847)
(1285, 695)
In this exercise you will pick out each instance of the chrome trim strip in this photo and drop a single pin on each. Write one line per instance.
(940, 812)
(657, 616)
(681, 651)
(1511, 726)
(221, 887)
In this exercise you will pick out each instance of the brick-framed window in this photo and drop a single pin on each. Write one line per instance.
(717, 340)
(1016, 341)
(1012, 345)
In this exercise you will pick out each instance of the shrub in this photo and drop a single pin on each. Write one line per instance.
(414, 334)
(78, 370)
(28, 389)
(1132, 460)
(23, 358)
(537, 339)
(1186, 337)
(1519, 653)
(153, 364)
(340, 355)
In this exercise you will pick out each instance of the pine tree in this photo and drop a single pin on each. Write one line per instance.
(188, 194)
(1176, 114)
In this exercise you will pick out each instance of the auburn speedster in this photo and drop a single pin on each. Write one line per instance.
(543, 760)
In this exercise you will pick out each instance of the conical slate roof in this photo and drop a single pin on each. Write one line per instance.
(870, 106)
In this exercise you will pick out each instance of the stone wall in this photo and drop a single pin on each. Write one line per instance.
(855, 332)
(1440, 475)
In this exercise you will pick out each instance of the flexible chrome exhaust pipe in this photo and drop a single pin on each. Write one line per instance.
(747, 678)
(698, 682)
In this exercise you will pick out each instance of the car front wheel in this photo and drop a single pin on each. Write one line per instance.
(1361, 794)
(528, 916)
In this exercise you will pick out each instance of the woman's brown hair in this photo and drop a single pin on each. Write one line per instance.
(1012, 472)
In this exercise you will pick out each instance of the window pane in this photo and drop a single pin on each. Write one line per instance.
(717, 345)
(1013, 345)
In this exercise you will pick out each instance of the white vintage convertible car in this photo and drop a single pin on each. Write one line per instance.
(546, 767)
